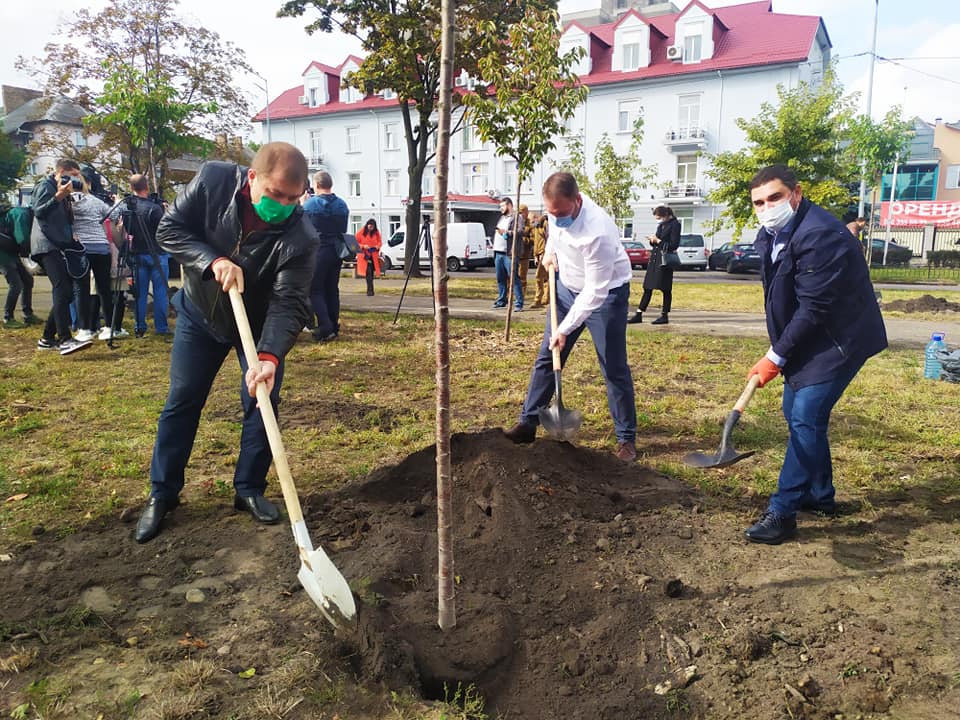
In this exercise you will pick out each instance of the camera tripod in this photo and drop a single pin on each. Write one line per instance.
(426, 241)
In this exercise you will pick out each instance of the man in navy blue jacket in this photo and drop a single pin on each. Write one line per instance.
(329, 215)
(823, 321)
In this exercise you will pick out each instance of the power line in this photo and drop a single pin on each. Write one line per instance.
(921, 72)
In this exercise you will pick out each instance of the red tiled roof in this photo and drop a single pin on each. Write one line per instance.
(320, 66)
(753, 36)
(452, 197)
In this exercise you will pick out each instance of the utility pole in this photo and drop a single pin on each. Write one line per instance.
(873, 61)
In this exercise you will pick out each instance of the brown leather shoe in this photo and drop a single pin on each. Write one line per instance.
(521, 433)
(626, 451)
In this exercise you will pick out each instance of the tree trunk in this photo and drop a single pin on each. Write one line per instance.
(447, 611)
(416, 161)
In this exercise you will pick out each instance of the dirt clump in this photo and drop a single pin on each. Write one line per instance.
(924, 303)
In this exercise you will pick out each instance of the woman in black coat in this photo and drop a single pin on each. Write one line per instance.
(658, 276)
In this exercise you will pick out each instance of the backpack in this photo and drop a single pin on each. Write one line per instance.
(20, 218)
(8, 243)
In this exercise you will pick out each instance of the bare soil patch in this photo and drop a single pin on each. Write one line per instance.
(924, 303)
(587, 588)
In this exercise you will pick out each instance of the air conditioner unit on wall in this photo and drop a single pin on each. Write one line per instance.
(302, 100)
(460, 80)
(675, 52)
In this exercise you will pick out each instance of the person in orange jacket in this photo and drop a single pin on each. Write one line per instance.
(369, 241)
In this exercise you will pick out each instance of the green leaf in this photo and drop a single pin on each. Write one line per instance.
(247, 674)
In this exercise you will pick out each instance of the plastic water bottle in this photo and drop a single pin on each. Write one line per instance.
(931, 364)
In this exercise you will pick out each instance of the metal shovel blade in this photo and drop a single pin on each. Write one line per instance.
(727, 455)
(323, 582)
(327, 587)
(560, 422)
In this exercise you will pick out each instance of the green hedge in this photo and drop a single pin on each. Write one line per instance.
(944, 258)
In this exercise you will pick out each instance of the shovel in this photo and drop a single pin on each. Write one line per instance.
(318, 575)
(557, 420)
(727, 455)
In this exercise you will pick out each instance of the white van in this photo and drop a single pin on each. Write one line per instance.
(467, 248)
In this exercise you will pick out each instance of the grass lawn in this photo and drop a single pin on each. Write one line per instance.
(76, 433)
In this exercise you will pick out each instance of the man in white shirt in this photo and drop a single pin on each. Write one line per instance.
(503, 245)
(593, 291)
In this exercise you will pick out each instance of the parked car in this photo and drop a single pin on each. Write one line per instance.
(638, 253)
(693, 253)
(896, 254)
(468, 247)
(734, 258)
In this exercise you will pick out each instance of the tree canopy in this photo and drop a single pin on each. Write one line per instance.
(151, 81)
(12, 162)
(401, 41)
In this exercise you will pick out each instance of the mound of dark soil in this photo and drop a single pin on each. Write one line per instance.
(924, 303)
(586, 588)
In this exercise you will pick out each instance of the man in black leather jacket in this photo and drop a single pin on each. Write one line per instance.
(232, 226)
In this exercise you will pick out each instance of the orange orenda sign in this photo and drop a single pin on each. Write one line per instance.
(919, 213)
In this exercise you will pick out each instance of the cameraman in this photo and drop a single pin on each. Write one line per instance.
(51, 234)
(141, 217)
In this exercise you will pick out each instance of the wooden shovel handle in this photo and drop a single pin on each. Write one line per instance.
(290, 498)
(752, 384)
(552, 282)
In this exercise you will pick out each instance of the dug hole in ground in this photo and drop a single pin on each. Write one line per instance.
(586, 588)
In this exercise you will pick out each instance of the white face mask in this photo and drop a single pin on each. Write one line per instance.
(776, 218)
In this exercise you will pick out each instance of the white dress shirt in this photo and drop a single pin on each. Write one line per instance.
(592, 261)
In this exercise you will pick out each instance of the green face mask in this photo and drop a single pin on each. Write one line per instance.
(270, 211)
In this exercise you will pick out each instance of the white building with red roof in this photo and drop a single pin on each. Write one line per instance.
(690, 72)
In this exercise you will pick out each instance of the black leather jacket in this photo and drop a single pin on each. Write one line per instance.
(204, 224)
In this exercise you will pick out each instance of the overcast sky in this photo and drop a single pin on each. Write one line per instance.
(924, 32)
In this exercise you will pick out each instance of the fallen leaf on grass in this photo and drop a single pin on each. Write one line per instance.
(193, 642)
(545, 489)
(247, 674)
(16, 498)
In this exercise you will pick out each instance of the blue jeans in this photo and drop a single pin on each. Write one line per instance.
(325, 290)
(502, 262)
(807, 473)
(149, 273)
(195, 359)
(608, 328)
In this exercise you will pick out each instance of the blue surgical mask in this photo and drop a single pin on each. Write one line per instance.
(564, 221)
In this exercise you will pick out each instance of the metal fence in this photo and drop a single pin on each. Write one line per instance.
(908, 237)
(915, 274)
(946, 239)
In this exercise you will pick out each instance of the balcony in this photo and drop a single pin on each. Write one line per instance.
(315, 162)
(680, 194)
(685, 139)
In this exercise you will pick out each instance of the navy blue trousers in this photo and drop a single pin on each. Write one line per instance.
(608, 329)
(195, 359)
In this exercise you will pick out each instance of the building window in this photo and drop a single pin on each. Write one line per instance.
(685, 217)
(689, 119)
(392, 182)
(953, 177)
(510, 180)
(349, 94)
(393, 224)
(692, 48)
(356, 222)
(316, 148)
(631, 56)
(79, 140)
(628, 115)
(389, 94)
(429, 180)
(353, 184)
(353, 139)
(314, 98)
(471, 141)
(475, 178)
(686, 171)
(914, 182)
(391, 136)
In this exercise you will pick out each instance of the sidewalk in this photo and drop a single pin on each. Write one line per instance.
(900, 331)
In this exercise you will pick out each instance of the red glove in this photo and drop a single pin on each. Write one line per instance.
(765, 369)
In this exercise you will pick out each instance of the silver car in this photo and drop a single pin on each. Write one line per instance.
(692, 252)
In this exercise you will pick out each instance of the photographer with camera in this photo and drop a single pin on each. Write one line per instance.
(140, 217)
(51, 235)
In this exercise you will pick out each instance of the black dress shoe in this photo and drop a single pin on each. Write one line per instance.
(263, 510)
(148, 526)
(662, 320)
(637, 317)
(522, 433)
(772, 529)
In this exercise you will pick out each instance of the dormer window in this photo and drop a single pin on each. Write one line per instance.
(349, 94)
(692, 48)
(631, 56)
(313, 97)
